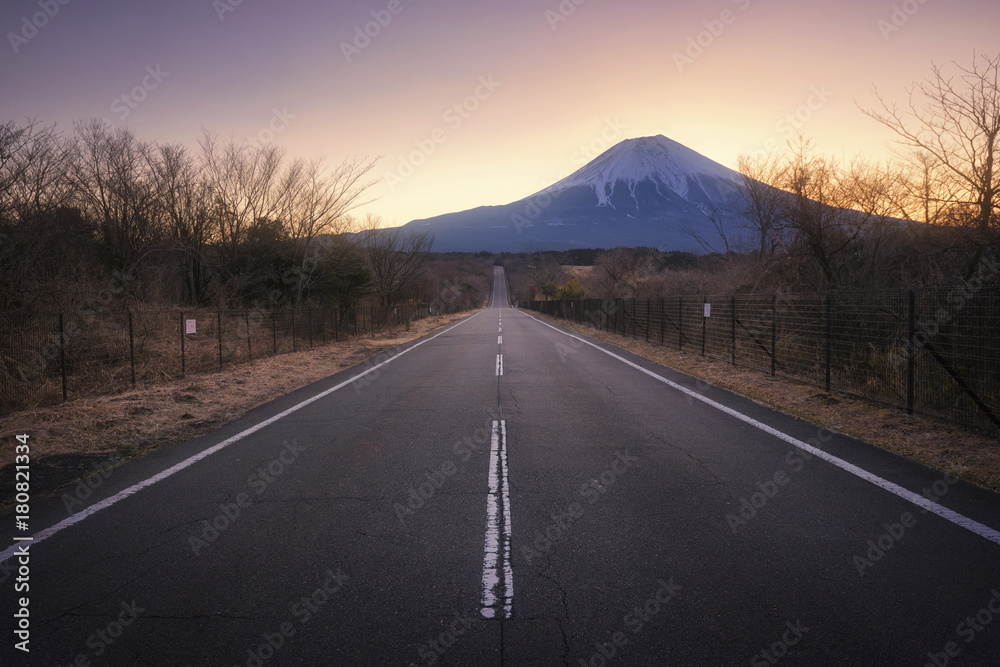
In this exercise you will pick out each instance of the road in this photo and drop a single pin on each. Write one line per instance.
(507, 493)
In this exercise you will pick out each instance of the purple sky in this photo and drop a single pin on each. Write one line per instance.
(476, 103)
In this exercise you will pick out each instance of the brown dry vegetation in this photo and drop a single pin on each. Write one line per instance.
(90, 434)
(942, 446)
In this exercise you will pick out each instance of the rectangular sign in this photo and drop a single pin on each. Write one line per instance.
(708, 310)
(190, 326)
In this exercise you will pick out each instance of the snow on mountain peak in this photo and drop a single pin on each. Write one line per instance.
(632, 161)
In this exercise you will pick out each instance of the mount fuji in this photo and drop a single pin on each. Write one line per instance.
(648, 191)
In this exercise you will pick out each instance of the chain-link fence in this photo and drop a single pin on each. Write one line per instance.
(934, 351)
(50, 357)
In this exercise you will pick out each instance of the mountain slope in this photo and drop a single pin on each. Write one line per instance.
(649, 191)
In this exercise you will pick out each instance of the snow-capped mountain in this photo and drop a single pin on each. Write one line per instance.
(658, 160)
(648, 191)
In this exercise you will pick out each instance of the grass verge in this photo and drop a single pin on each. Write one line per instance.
(82, 437)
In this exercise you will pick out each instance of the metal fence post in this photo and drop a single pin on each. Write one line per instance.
(246, 318)
(911, 344)
(704, 325)
(294, 342)
(648, 302)
(732, 342)
(680, 324)
(274, 331)
(183, 360)
(62, 355)
(219, 322)
(774, 331)
(663, 317)
(829, 337)
(131, 347)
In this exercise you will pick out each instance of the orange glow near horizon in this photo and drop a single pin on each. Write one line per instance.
(732, 77)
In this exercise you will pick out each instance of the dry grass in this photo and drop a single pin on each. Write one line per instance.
(108, 430)
(939, 445)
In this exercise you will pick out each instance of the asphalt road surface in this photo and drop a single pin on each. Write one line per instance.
(506, 493)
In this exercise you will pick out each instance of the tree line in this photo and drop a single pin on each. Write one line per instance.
(225, 224)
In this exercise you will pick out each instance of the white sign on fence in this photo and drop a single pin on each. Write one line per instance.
(708, 310)
(190, 326)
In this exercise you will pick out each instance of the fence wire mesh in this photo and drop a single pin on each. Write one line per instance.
(46, 358)
(934, 351)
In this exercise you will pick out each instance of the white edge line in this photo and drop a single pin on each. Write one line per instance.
(125, 493)
(972, 525)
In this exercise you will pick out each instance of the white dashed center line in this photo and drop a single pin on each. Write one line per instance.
(498, 575)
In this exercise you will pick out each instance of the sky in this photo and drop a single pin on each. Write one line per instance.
(468, 103)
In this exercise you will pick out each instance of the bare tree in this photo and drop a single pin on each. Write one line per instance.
(395, 259)
(760, 204)
(546, 274)
(185, 198)
(622, 271)
(828, 220)
(41, 183)
(950, 132)
(315, 201)
(244, 181)
(12, 140)
(111, 177)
